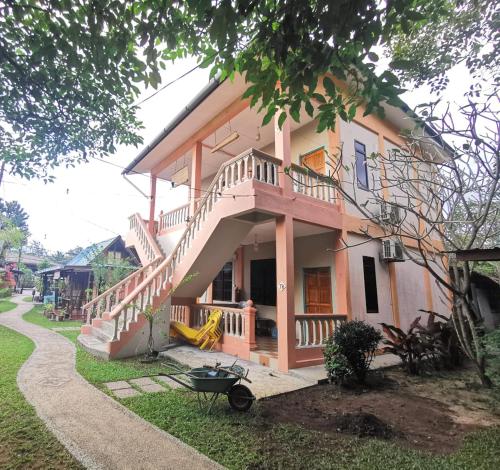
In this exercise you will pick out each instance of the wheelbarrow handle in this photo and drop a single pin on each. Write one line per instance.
(229, 371)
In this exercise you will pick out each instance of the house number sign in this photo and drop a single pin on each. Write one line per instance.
(281, 286)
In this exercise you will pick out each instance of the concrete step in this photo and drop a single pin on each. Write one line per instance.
(101, 334)
(94, 346)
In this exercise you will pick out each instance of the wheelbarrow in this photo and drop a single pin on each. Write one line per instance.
(210, 382)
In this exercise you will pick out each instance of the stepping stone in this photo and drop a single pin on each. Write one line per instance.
(168, 381)
(117, 385)
(152, 388)
(126, 392)
(140, 382)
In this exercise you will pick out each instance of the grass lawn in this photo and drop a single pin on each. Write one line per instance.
(28, 299)
(35, 315)
(241, 441)
(6, 305)
(252, 441)
(25, 442)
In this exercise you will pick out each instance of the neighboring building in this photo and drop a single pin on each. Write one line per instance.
(249, 231)
(67, 286)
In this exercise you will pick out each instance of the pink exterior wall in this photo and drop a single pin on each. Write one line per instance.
(411, 292)
(372, 248)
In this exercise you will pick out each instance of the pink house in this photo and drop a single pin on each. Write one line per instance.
(249, 231)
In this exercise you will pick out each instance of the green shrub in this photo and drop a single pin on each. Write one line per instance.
(5, 292)
(336, 364)
(357, 342)
(491, 343)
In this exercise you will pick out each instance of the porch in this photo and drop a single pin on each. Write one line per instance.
(239, 333)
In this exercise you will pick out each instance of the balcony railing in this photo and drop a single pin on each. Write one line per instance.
(312, 185)
(175, 217)
(314, 329)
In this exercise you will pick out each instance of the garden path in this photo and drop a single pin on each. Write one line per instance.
(97, 430)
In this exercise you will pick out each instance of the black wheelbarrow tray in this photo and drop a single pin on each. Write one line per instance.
(211, 382)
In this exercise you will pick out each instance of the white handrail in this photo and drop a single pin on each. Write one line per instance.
(147, 241)
(106, 301)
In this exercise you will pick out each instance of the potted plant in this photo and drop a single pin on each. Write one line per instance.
(150, 315)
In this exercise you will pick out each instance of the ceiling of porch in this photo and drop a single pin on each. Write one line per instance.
(266, 232)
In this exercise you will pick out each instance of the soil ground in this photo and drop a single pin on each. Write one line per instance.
(426, 413)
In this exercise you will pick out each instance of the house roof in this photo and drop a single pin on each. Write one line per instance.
(479, 254)
(87, 255)
(82, 259)
(213, 98)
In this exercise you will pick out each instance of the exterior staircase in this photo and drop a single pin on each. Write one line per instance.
(115, 325)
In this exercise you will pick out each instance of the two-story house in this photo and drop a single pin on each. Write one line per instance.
(251, 231)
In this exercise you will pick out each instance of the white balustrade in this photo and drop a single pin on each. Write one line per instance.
(233, 319)
(313, 330)
(180, 313)
(312, 185)
(175, 217)
(144, 237)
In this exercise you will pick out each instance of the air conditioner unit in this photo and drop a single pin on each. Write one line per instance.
(391, 251)
(389, 214)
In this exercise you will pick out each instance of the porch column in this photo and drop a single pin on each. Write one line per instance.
(285, 301)
(195, 182)
(152, 204)
(342, 277)
(282, 150)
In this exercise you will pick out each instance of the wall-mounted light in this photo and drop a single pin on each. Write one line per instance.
(255, 244)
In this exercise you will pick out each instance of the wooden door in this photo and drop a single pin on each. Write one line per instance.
(317, 290)
(315, 160)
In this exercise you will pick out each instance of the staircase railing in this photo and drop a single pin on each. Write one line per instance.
(251, 164)
(106, 301)
(144, 237)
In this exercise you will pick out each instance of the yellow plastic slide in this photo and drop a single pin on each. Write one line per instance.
(207, 336)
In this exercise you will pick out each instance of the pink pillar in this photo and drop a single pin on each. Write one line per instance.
(152, 203)
(285, 302)
(249, 319)
(282, 148)
(342, 277)
(195, 182)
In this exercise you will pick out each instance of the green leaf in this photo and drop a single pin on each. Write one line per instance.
(329, 86)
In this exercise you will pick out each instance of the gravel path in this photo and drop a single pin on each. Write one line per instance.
(97, 430)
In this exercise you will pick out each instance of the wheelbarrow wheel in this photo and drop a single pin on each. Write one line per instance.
(240, 398)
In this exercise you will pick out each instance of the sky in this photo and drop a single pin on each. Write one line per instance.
(92, 202)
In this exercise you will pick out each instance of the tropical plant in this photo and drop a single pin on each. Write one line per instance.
(407, 345)
(357, 342)
(434, 343)
(336, 364)
(48, 309)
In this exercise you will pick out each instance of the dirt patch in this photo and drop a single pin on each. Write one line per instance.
(407, 413)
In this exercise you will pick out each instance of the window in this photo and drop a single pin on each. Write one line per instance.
(263, 281)
(223, 284)
(361, 168)
(370, 284)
